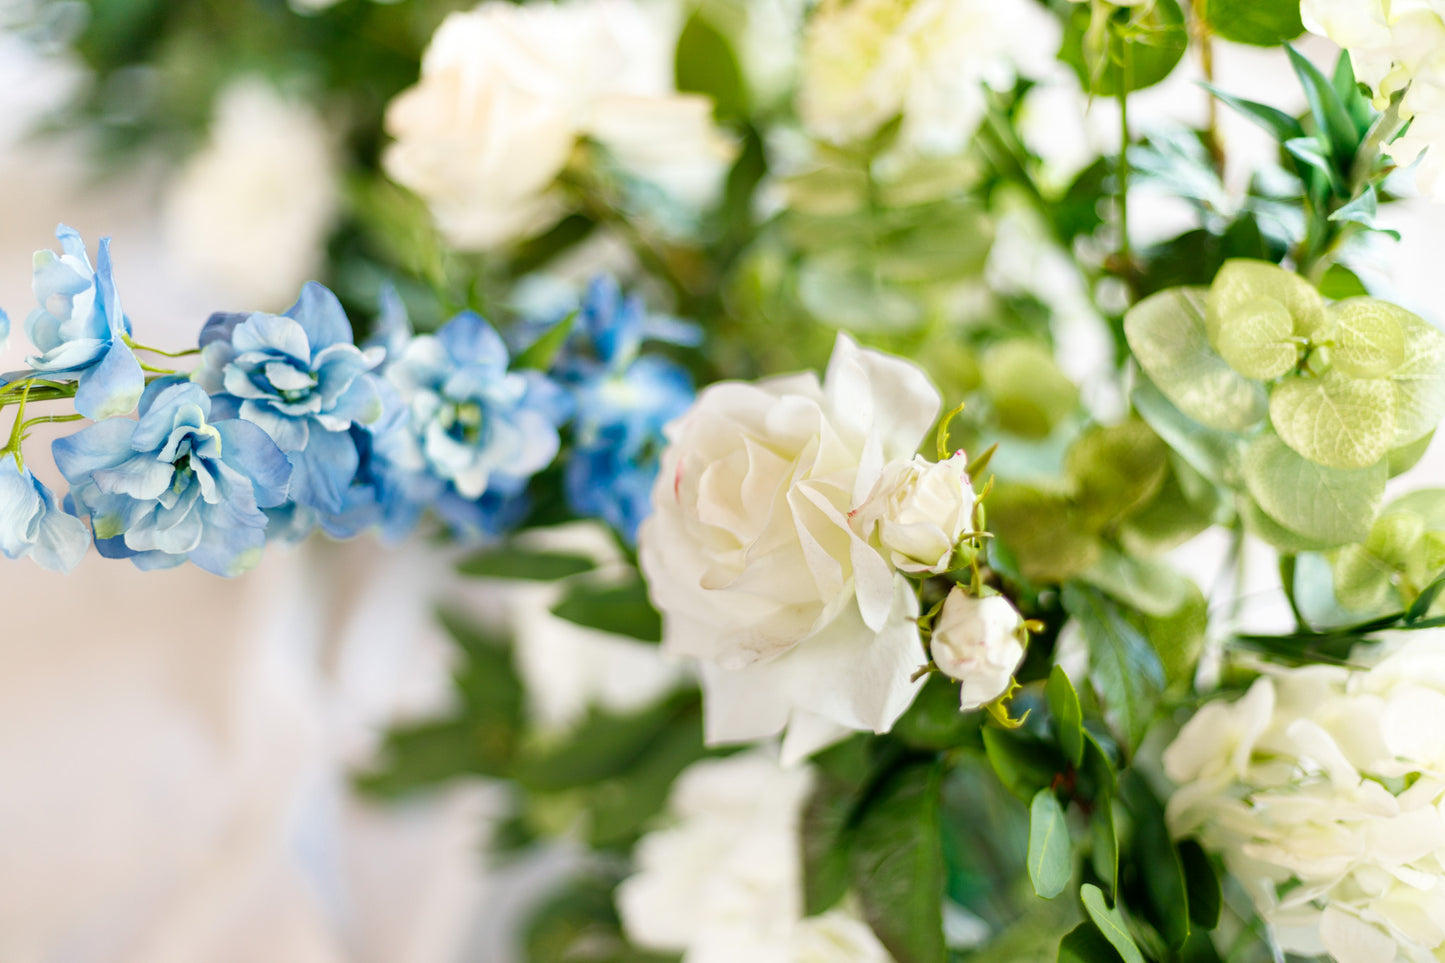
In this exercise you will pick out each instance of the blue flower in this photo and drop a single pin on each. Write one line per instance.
(31, 523)
(476, 432)
(300, 378)
(80, 329)
(4, 330)
(622, 400)
(175, 485)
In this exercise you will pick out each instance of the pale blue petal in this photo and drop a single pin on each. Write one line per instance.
(324, 470)
(318, 311)
(140, 476)
(104, 444)
(218, 327)
(72, 355)
(113, 387)
(249, 450)
(289, 433)
(472, 341)
(272, 333)
(20, 509)
(107, 297)
(61, 541)
(228, 552)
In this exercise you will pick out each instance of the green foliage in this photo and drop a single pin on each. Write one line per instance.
(706, 64)
(620, 609)
(1335, 421)
(1398, 561)
(1126, 49)
(1030, 394)
(1110, 923)
(1067, 716)
(1123, 666)
(1332, 506)
(1050, 850)
(510, 562)
(1263, 23)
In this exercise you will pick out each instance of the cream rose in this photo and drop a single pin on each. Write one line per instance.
(920, 510)
(506, 93)
(980, 642)
(756, 559)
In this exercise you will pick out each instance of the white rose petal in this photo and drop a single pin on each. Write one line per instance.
(921, 509)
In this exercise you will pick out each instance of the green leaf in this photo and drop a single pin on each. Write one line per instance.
(1206, 894)
(1362, 582)
(605, 744)
(1281, 125)
(1257, 522)
(1029, 392)
(1154, 44)
(1123, 665)
(539, 355)
(1149, 586)
(1330, 116)
(1405, 457)
(1369, 341)
(1115, 469)
(1051, 853)
(1340, 282)
(1085, 944)
(1334, 420)
(510, 562)
(1023, 762)
(898, 868)
(705, 64)
(1166, 900)
(1363, 210)
(1178, 636)
(1254, 337)
(1068, 717)
(1331, 506)
(933, 722)
(1313, 155)
(620, 609)
(1110, 923)
(1421, 606)
(1166, 332)
(1214, 454)
(1044, 531)
(826, 845)
(1263, 23)
(1243, 280)
(1419, 380)
(1104, 842)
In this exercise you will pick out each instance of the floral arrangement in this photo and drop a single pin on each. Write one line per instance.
(914, 668)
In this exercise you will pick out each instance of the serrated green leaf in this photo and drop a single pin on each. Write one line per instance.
(1335, 420)
(1262, 23)
(1166, 332)
(1110, 923)
(1283, 126)
(1330, 116)
(619, 609)
(1331, 506)
(1051, 852)
(1242, 280)
(1254, 337)
(1369, 341)
(1067, 715)
(898, 869)
(1123, 665)
(510, 562)
(1419, 380)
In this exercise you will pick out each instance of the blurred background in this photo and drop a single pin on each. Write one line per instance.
(178, 749)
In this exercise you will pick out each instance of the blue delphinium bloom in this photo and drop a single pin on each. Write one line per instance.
(476, 432)
(299, 377)
(176, 485)
(80, 330)
(623, 399)
(4, 330)
(31, 524)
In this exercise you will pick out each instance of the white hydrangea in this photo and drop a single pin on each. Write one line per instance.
(1324, 788)
(723, 883)
(506, 93)
(250, 211)
(1396, 45)
(868, 61)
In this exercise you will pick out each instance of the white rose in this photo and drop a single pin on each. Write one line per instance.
(507, 91)
(757, 567)
(921, 510)
(868, 61)
(250, 211)
(980, 642)
(724, 882)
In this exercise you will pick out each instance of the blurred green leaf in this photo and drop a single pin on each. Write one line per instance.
(1153, 856)
(1329, 506)
(1123, 665)
(1206, 896)
(1068, 717)
(620, 609)
(1151, 44)
(1110, 923)
(1262, 23)
(1023, 762)
(1335, 420)
(706, 64)
(510, 562)
(1051, 852)
(898, 870)
(1085, 944)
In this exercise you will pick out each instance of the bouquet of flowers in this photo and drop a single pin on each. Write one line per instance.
(845, 430)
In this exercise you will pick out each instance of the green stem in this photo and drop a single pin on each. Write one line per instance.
(1286, 578)
(17, 432)
(1126, 77)
(136, 346)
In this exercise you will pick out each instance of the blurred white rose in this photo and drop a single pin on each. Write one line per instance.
(724, 883)
(921, 510)
(1324, 789)
(755, 558)
(507, 91)
(251, 210)
(868, 61)
(980, 642)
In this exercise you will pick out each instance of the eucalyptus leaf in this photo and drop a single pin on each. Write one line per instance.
(1330, 506)
(1334, 420)
(1116, 469)
(1166, 332)
(1419, 380)
(1029, 391)
(1263, 23)
(1242, 281)
(1214, 454)
(1254, 337)
(1178, 636)
(1405, 457)
(1362, 581)
(1369, 340)
(1148, 586)
(1044, 531)
(1152, 45)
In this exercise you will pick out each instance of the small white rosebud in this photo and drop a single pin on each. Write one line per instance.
(980, 642)
(920, 510)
